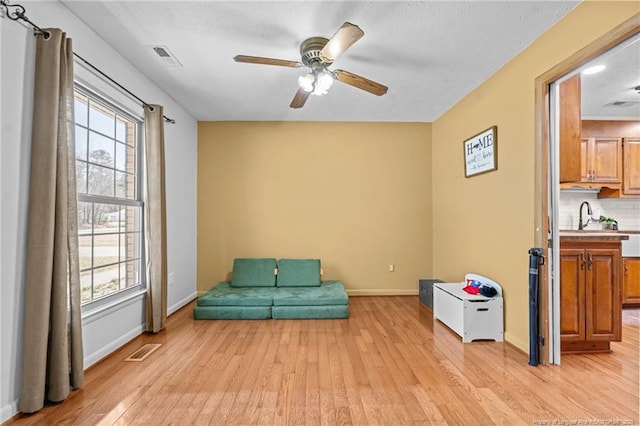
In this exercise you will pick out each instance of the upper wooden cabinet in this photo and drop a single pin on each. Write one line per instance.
(570, 129)
(610, 157)
(601, 160)
(631, 166)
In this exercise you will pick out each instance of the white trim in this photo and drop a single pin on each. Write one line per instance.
(107, 350)
(96, 83)
(389, 292)
(104, 310)
(8, 411)
(179, 304)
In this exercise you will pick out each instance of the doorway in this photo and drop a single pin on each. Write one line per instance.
(548, 216)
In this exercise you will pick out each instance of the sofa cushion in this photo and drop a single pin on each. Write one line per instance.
(310, 312)
(224, 295)
(231, 312)
(298, 273)
(253, 272)
(328, 293)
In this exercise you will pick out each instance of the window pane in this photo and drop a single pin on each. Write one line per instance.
(121, 130)
(85, 220)
(80, 109)
(129, 244)
(81, 143)
(121, 156)
(85, 286)
(101, 150)
(84, 249)
(106, 280)
(105, 218)
(100, 181)
(101, 120)
(125, 158)
(81, 177)
(130, 222)
(121, 185)
(130, 273)
(105, 249)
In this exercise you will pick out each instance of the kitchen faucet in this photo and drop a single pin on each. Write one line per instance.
(581, 226)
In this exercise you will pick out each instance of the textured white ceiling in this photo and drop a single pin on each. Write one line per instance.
(430, 54)
(616, 83)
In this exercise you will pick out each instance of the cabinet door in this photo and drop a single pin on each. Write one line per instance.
(603, 297)
(570, 125)
(631, 161)
(606, 158)
(572, 296)
(631, 280)
(585, 166)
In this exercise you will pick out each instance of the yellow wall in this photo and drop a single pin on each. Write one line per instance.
(355, 195)
(485, 224)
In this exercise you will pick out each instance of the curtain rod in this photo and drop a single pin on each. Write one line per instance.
(17, 13)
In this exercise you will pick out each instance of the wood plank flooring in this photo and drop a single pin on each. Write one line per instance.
(389, 364)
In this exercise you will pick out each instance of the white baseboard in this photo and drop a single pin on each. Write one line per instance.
(91, 359)
(173, 308)
(390, 292)
(8, 411)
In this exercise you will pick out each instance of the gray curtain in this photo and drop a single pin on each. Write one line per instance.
(52, 358)
(156, 219)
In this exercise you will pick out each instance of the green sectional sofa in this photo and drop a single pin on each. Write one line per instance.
(263, 288)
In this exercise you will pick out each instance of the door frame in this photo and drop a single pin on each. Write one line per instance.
(542, 231)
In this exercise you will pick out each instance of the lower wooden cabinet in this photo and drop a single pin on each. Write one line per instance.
(631, 281)
(590, 296)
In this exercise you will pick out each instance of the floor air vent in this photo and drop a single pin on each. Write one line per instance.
(143, 352)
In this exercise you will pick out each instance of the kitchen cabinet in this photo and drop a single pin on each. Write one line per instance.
(570, 125)
(590, 294)
(610, 158)
(631, 166)
(601, 160)
(631, 281)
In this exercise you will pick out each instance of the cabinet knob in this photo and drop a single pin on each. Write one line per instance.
(590, 261)
(582, 261)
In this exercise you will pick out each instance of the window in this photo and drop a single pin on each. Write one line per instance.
(109, 197)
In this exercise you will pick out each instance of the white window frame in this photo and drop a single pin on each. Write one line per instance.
(100, 304)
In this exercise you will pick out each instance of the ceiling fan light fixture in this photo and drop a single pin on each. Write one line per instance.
(316, 82)
(324, 81)
(306, 82)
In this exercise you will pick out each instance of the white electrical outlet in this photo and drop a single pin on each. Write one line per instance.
(171, 279)
(391, 267)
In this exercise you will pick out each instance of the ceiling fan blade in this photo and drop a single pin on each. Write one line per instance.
(346, 35)
(267, 61)
(360, 82)
(299, 99)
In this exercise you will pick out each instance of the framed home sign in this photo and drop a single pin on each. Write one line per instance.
(481, 152)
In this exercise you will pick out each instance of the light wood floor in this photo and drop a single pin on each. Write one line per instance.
(390, 364)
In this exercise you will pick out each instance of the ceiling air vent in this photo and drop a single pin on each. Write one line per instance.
(165, 55)
(622, 103)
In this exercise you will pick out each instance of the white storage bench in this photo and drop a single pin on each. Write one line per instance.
(472, 317)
